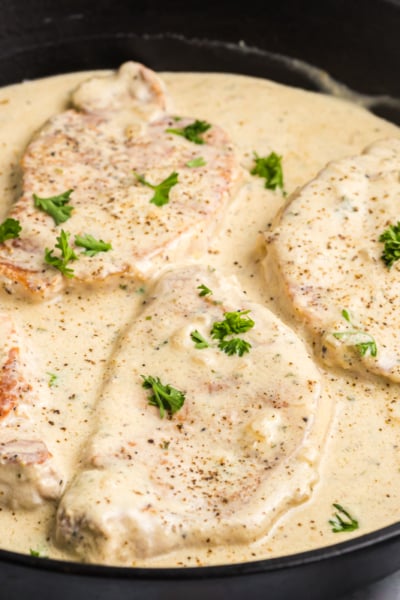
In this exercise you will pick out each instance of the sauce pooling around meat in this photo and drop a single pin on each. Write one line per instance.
(74, 334)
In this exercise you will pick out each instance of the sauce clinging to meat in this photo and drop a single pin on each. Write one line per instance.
(75, 333)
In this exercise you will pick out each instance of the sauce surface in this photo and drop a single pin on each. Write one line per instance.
(75, 333)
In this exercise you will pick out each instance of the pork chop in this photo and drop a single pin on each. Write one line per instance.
(327, 252)
(102, 160)
(28, 475)
(241, 449)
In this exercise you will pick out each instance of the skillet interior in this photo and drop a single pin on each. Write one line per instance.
(324, 573)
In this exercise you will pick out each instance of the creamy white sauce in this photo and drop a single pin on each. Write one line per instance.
(74, 335)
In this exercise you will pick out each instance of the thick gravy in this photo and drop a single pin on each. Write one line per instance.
(75, 333)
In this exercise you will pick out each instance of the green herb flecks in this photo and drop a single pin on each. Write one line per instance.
(165, 397)
(55, 206)
(192, 132)
(198, 339)
(234, 346)
(9, 229)
(161, 190)
(234, 323)
(391, 238)
(204, 290)
(342, 520)
(362, 341)
(67, 255)
(52, 379)
(37, 553)
(196, 162)
(270, 168)
(92, 245)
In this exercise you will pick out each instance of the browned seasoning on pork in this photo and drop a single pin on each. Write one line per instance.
(28, 474)
(114, 136)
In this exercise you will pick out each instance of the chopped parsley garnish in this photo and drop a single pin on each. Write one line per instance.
(161, 195)
(67, 255)
(191, 132)
(391, 239)
(234, 322)
(342, 520)
(55, 206)
(204, 290)
(234, 346)
(196, 162)
(198, 339)
(92, 245)
(362, 341)
(165, 397)
(37, 553)
(9, 229)
(52, 379)
(269, 167)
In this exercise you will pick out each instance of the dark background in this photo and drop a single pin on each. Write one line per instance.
(356, 41)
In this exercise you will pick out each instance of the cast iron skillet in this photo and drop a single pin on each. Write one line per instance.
(357, 43)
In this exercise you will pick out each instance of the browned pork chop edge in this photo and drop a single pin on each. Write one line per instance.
(115, 133)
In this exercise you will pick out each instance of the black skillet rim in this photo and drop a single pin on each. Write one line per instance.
(376, 538)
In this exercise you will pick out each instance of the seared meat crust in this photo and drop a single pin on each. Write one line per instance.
(115, 132)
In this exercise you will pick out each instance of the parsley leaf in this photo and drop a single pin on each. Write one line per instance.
(391, 239)
(9, 229)
(204, 290)
(234, 322)
(348, 523)
(165, 397)
(367, 348)
(92, 245)
(346, 315)
(192, 132)
(55, 206)
(37, 553)
(196, 162)
(52, 379)
(67, 255)
(270, 168)
(161, 190)
(199, 341)
(362, 341)
(234, 346)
